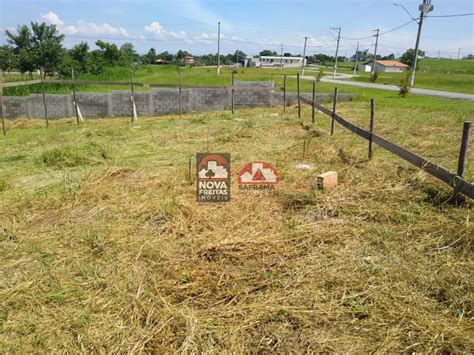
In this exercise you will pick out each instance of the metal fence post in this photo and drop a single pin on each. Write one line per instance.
(371, 127)
(333, 110)
(284, 93)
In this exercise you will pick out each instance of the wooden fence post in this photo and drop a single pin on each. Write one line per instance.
(133, 96)
(284, 93)
(333, 110)
(74, 95)
(44, 98)
(371, 127)
(464, 144)
(233, 81)
(189, 170)
(298, 94)
(314, 98)
(1, 112)
(179, 92)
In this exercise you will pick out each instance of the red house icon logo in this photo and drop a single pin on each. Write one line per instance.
(258, 173)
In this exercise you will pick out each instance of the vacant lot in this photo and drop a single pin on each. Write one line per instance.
(104, 248)
(454, 75)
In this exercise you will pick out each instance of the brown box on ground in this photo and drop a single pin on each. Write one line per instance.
(326, 180)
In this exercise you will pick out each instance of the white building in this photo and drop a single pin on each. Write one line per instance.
(390, 66)
(364, 67)
(276, 61)
(384, 66)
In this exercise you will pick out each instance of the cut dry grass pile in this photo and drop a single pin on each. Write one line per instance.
(118, 257)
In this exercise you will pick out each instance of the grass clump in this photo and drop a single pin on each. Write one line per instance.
(3, 185)
(74, 155)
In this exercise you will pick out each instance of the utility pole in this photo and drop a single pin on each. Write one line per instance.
(375, 52)
(281, 56)
(219, 48)
(439, 54)
(356, 58)
(337, 49)
(459, 53)
(424, 8)
(304, 55)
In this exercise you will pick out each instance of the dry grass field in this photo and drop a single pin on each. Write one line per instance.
(105, 250)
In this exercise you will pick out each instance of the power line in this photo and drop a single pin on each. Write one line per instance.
(396, 28)
(381, 34)
(457, 15)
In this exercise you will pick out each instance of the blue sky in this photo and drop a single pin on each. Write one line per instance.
(192, 24)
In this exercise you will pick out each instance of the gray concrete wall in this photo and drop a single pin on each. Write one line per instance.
(151, 103)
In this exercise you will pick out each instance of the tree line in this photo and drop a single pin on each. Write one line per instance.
(39, 45)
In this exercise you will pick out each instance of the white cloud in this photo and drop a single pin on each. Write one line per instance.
(83, 27)
(159, 32)
(52, 19)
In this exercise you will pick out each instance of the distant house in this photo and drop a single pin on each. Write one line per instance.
(390, 66)
(189, 60)
(161, 61)
(383, 66)
(275, 61)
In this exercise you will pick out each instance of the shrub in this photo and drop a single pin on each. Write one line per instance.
(374, 77)
(405, 85)
(320, 75)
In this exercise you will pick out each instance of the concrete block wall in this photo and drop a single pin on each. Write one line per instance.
(252, 97)
(92, 105)
(167, 101)
(15, 107)
(254, 84)
(151, 103)
(209, 99)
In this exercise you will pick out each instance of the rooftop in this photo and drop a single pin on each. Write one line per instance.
(392, 63)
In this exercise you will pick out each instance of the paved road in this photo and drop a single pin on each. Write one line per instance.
(416, 91)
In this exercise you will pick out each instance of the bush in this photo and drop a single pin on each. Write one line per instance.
(374, 77)
(405, 85)
(320, 75)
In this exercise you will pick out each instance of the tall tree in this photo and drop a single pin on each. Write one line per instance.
(110, 52)
(8, 59)
(409, 56)
(128, 53)
(47, 48)
(80, 54)
(22, 43)
(267, 52)
(150, 57)
(238, 56)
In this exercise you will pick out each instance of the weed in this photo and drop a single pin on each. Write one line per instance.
(75, 155)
